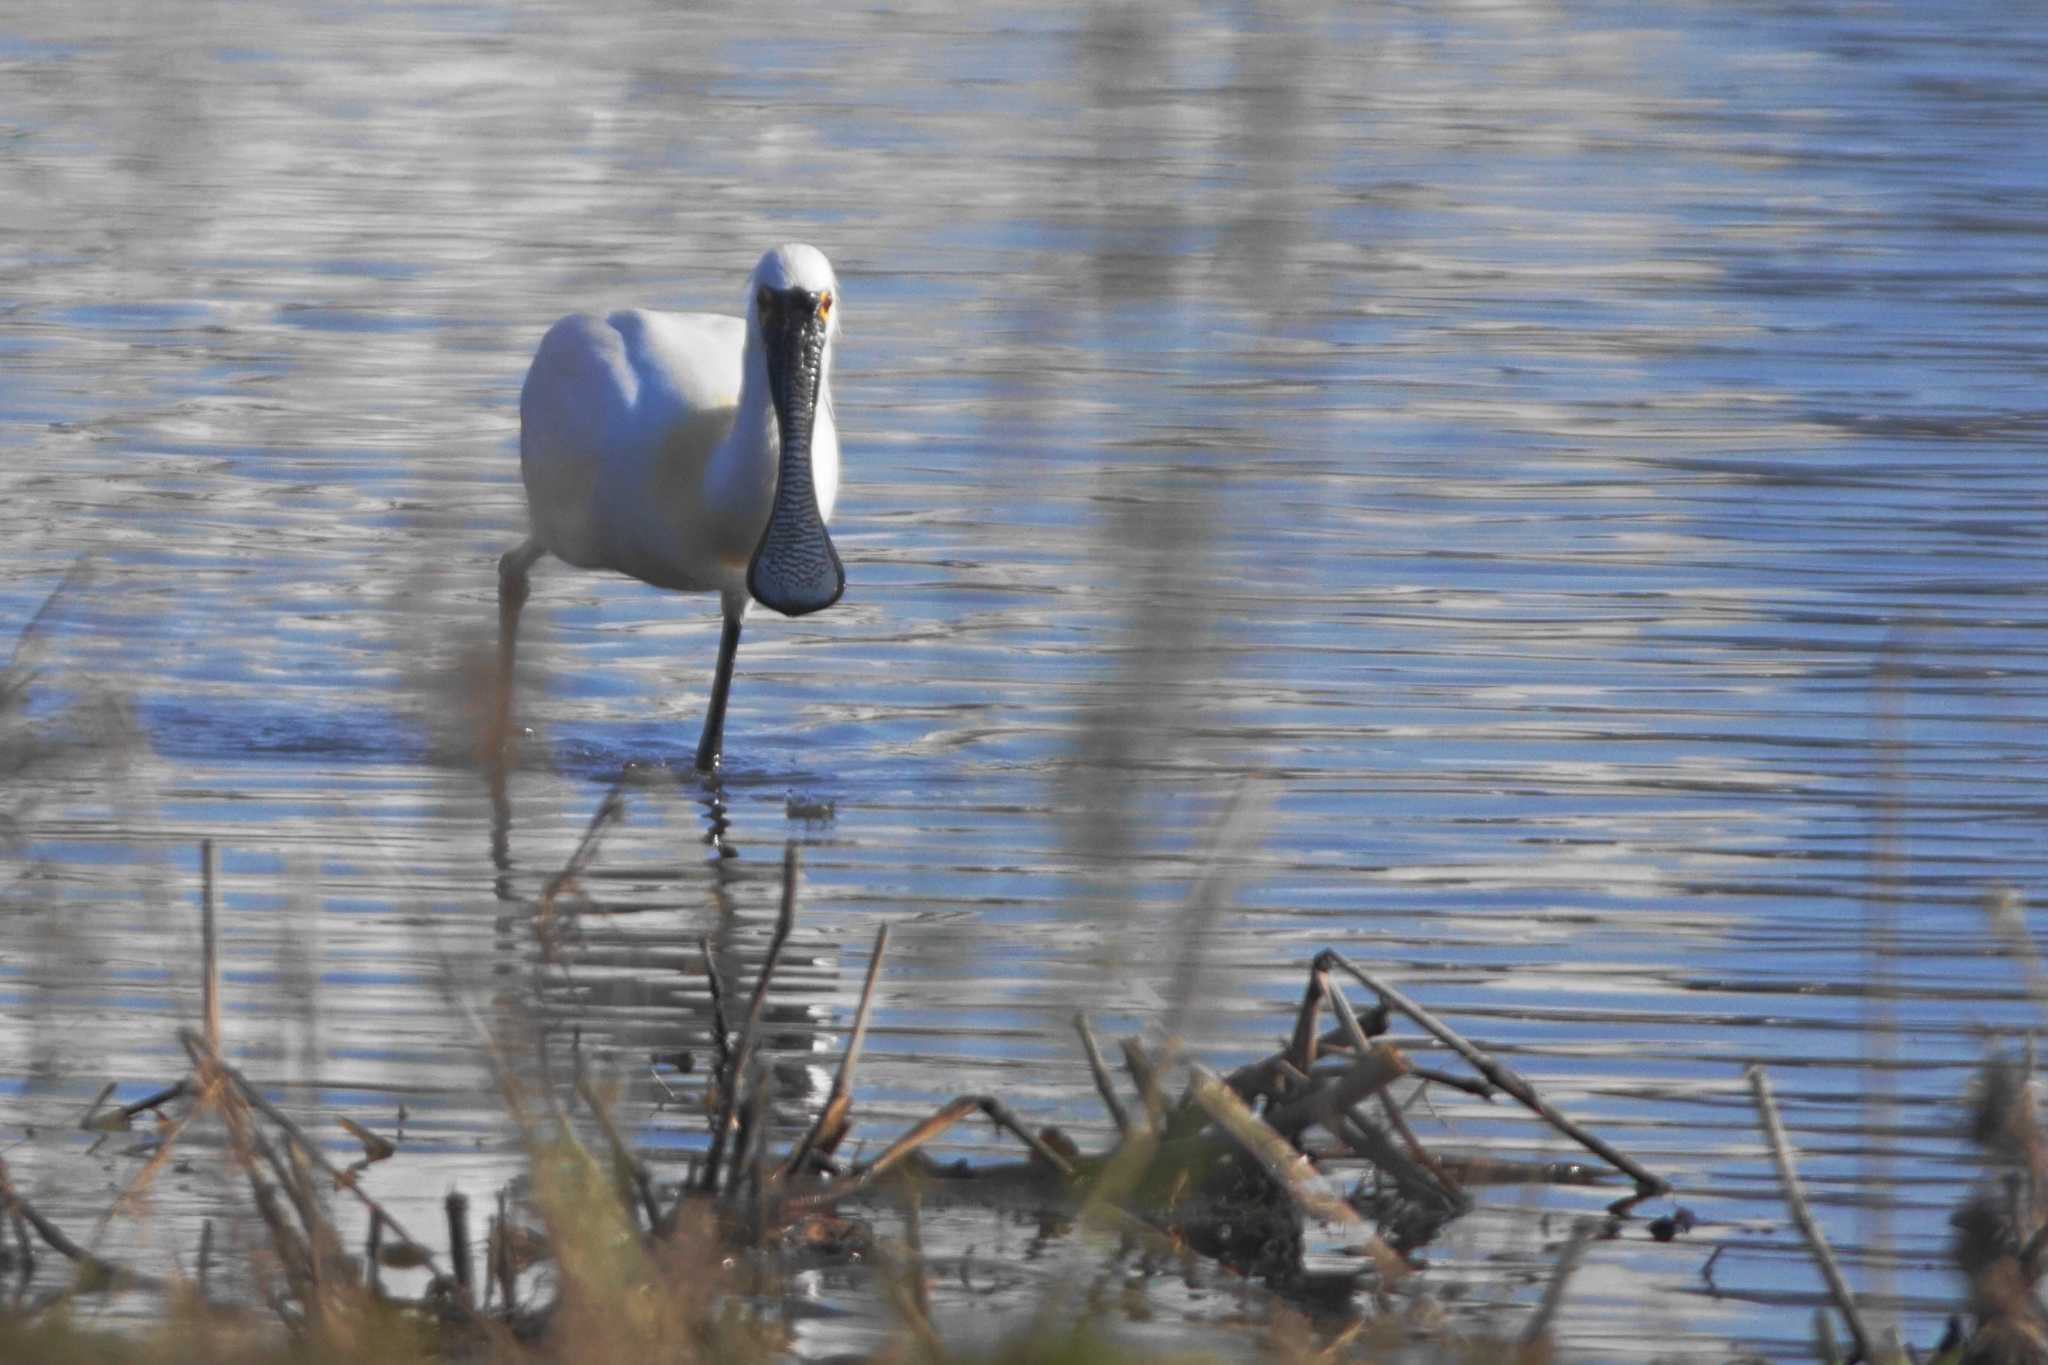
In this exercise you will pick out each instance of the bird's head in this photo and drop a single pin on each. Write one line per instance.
(793, 313)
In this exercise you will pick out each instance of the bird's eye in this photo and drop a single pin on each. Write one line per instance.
(825, 306)
(764, 301)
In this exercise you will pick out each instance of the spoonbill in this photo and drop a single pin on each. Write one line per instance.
(692, 451)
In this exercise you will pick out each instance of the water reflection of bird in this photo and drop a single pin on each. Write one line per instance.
(692, 451)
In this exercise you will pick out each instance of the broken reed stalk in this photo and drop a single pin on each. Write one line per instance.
(457, 1206)
(1802, 1213)
(925, 1131)
(373, 1254)
(1104, 1085)
(502, 1273)
(746, 1141)
(831, 1122)
(1502, 1077)
(750, 1026)
(918, 1135)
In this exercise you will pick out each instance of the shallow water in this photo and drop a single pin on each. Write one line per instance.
(1581, 465)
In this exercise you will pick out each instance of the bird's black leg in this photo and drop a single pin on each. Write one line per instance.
(714, 715)
(512, 590)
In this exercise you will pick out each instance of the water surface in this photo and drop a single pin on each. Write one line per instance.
(1580, 464)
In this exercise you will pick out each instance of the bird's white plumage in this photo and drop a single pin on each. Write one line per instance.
(648, 441)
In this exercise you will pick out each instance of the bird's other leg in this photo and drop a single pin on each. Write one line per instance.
(512, 592)
(721, 683)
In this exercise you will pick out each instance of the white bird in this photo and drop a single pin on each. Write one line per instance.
(692, 451)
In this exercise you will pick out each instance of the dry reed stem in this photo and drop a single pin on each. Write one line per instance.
(721, 1032)
(923, 1132)
(832, 1116)
(1802, 1213)
(208, 1062)
(1292, 1171)
(742, 1054)
(917, 1136)
(1301, 1050)
(1504, 1078)
(1104, 1085)
(1369, 1074)
(1145, 1075)
(456, 1205)
(1354, 1032)
(608, 810)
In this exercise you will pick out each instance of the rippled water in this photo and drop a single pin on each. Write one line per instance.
(1582, 463)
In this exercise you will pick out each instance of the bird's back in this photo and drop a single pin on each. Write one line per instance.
(618, 418)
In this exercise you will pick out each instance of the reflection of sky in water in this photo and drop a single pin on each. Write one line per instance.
(1567, 418)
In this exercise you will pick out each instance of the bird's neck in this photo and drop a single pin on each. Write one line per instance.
(755, 427)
